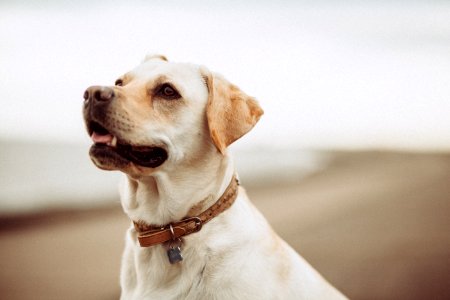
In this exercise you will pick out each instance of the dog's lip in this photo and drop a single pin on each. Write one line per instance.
(98, 138)
(146, 156)
(143, 155)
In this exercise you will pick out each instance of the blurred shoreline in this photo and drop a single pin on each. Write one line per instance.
(42, 177)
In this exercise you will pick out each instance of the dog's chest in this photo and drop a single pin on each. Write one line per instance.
(156, 278)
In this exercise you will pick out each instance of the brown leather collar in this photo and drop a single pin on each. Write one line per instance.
(150, 235)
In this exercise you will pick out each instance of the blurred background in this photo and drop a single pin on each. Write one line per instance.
(350, 162)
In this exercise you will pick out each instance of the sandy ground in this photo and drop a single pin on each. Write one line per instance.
(376, 225)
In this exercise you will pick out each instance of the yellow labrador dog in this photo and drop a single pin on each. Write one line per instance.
(195, 234)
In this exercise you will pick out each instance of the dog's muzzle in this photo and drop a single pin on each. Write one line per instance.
(109, 149)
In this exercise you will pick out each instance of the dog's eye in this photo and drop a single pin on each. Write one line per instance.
(166, 91)
(119, 82)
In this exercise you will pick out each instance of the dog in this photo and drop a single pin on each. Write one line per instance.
(194, 232)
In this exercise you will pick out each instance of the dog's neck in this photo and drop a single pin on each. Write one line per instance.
(166, 197)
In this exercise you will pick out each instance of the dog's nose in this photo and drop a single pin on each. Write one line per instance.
(98, 94)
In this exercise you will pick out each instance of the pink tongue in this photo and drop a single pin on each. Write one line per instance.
(101, 139)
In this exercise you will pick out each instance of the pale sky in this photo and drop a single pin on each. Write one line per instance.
(327, 75)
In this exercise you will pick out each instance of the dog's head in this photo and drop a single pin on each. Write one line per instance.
(164, 113)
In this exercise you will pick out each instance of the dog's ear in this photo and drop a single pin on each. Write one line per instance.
(230, 112)
(155, 56)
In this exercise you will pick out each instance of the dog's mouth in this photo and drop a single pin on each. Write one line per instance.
(109, 148)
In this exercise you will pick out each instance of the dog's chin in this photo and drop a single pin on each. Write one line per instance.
(123, 157)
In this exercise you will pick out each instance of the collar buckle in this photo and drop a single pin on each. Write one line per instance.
(197, 222)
